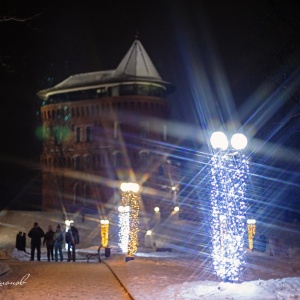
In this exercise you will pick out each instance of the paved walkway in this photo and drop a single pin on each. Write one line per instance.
(60, 280)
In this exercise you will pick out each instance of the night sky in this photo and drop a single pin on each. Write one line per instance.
(61, 38)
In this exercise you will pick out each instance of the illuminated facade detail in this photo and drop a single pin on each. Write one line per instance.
(104, 232)
(229, 176)
(96, 125)
(131, 198)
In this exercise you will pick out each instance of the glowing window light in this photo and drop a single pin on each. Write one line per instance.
(124, 228)
(104, 232)
(219, 140)
(156, 209)
(228, 185)
(239, 141)
(132, 199)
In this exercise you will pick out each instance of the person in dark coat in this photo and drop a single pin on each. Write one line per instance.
(58, 243)
(72, 239)
(23, 242)
(19, 240)
(49, 241)
(36, 233)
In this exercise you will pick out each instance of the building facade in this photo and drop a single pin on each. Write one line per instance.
(104, 128)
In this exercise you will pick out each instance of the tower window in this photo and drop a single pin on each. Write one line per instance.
(77, 162)
(144, 158)
(87, 161)
(78, 135)
(118, 159)
(88, 134)
(144, 130)
(117, 129)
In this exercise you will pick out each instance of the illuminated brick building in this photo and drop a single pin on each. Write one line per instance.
(102, 128)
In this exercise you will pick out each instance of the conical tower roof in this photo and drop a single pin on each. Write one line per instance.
(136, 66)
(136, 63)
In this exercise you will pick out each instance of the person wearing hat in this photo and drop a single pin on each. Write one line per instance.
(72, 239)
(36, 233)
(49, 241)
(58, 243)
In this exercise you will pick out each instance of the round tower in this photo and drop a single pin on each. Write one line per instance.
(102, 128)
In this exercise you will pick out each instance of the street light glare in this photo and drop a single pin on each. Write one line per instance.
(219, 140)
(239, 141)
(129, 187)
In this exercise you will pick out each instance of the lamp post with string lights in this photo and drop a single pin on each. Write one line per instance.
(131, 198)
(229, 176)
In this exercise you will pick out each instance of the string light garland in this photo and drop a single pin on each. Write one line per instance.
(229, 176)
(104, 232)
(251, 232)
(131, 198)
(124, 228)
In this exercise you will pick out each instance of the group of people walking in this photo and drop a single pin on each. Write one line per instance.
(53, 240)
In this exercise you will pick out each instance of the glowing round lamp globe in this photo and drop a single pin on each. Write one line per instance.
(124, 187)
(126, 209)
(156, 209)
(149, 232)
(251, 221)
(219, 140)
(121, 208)
(135, 187)
(176, 208)
(239, 141)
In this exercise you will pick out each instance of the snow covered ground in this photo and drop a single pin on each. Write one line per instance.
(183, 275)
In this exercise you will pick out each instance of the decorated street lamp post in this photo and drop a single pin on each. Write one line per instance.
(124, 227)
(251, 225)
(229, 173)
(131, 198)
(105, 236)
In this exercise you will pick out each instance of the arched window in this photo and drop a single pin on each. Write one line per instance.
(144, 158)
(88, 134)
(144, 130)
(87, 161)
(88, 194)
(76, 162)
(78, 134)
(118, 159)
(77, 193)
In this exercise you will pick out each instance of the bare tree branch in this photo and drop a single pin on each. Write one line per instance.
(17, 19)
